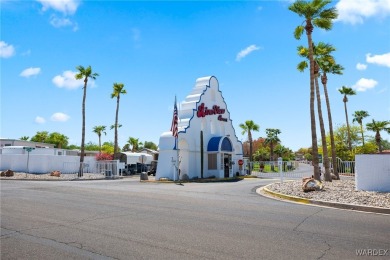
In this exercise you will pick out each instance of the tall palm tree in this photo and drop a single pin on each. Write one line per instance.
(347, 92)
(84, 73)
(330, 66)
(358, 116)
(272, 139)
(315, 14)
(248, 127)
(118, 89)
(318, 51)
(99, 130)
(377, 126)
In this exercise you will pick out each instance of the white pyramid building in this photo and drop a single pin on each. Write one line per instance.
(202, 113)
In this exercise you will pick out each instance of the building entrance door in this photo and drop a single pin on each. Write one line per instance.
(226, 163)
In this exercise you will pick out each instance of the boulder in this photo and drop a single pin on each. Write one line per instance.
(55, 174)
(310, 184)
(7, 173)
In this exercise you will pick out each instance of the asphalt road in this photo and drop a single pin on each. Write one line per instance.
(126, 219)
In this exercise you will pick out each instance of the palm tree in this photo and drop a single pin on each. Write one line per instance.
(315, 14)
(347, 92)
(318, 52)
(358, 116)
(84, 73)
(118, 89)
(134, 142)
(330, 66)
(272, 139)
(99, 130)
(24, 138)
(377, 126)
(248, 127)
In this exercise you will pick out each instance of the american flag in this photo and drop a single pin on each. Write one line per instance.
(174, 121)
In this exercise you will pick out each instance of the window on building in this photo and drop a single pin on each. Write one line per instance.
(212, 161)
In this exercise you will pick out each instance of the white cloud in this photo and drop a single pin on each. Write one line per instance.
(59, 117)
(68, 80)
(67, 7)
(361, 66)
(243, 53)
(6, 50)
(355, 11)
(30, 72)
(40, 120)
(62, 22)
(383, 60)
(364, 84)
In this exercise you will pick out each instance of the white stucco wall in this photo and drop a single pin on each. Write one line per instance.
(41, 163)
(372, 172)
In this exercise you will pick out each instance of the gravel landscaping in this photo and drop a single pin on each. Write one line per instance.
(342, 191)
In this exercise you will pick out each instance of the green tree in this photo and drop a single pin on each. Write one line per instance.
(248, 127)
(272, 139)
(108, 148)
(134, 142)
(84, 73)
(90, 146)
(59, 140)
(99, 130)
(358, 116)
(347, 92)
(150, 145)
(315, 14)
(377, 127)
(40, 137)
(24, 138)
(118, 89)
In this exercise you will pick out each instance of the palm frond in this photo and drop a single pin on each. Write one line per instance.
(298, 32)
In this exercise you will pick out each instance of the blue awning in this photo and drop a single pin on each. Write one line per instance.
(215, 144)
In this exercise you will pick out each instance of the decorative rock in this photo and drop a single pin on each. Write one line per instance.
(310, 184)
(144, 176)
(55, 174)
(7, 173)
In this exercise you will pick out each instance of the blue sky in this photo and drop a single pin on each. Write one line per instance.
(158, 49)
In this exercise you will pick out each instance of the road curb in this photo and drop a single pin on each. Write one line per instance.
(274, 194)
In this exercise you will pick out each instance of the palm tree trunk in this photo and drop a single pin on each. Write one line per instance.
(346, 117)
(116, 127)
(324, 81)
(83, 130)
(250, 151)
(378, 141)
(361, 129)
(327, 176)
(100, 144)
(309, 30)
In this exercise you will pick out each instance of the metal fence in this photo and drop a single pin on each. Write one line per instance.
(290, 169)
(345, 167)
(101, 168)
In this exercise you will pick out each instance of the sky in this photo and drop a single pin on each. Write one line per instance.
(158, 49)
